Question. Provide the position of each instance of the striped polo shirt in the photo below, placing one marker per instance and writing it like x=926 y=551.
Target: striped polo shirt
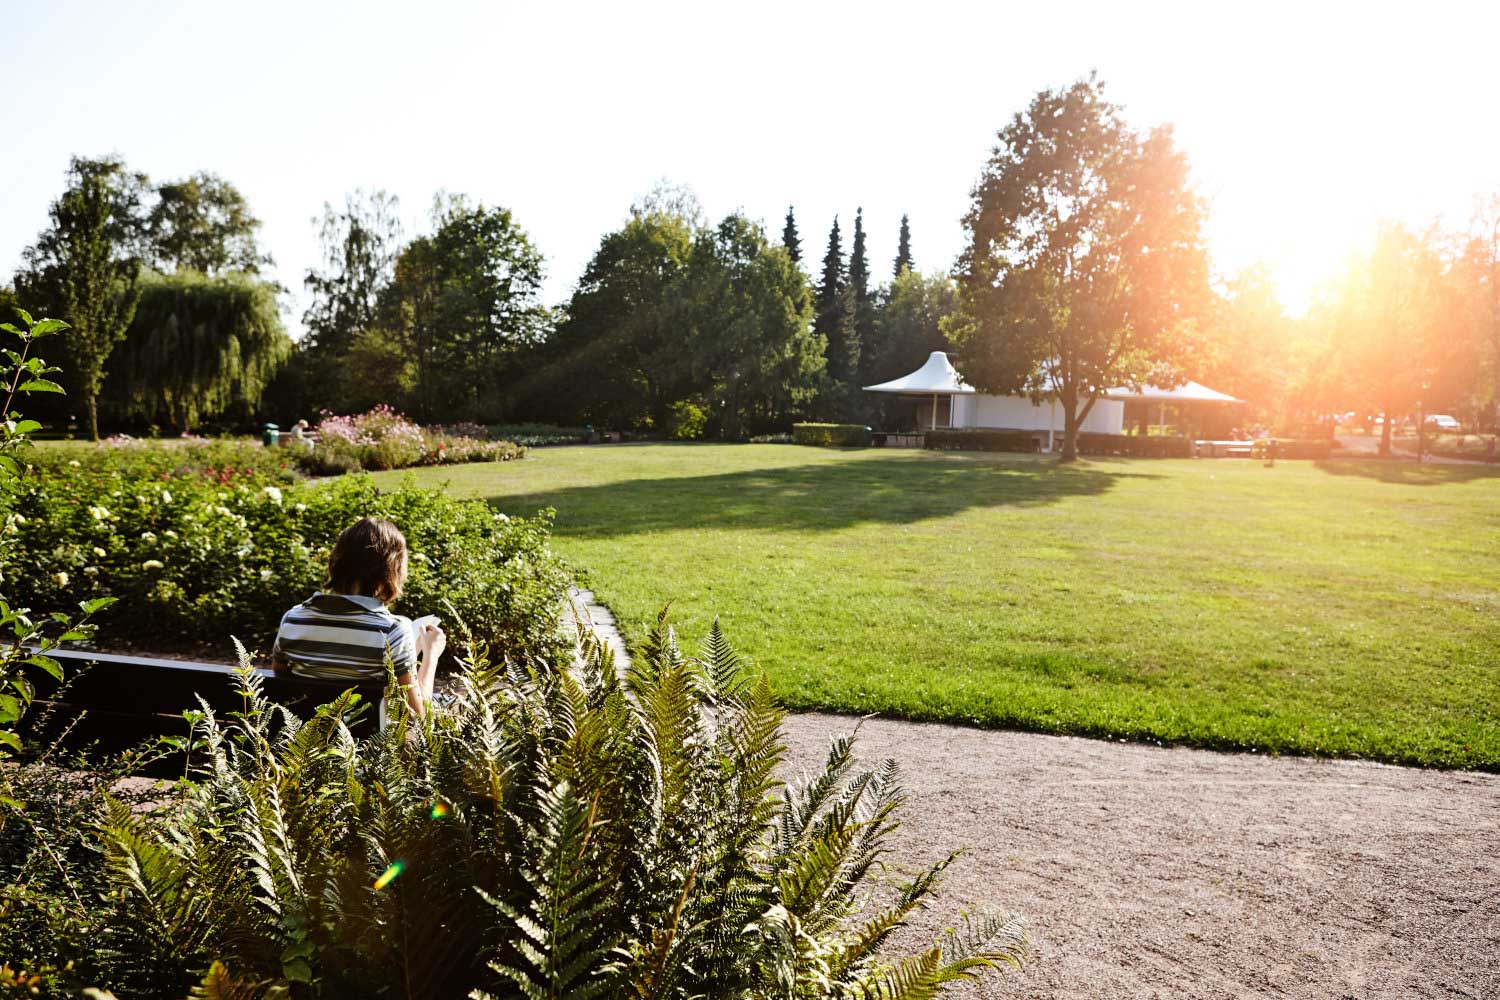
x=345 y=637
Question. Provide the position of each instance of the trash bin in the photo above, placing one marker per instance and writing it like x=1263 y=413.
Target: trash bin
x=269 y=435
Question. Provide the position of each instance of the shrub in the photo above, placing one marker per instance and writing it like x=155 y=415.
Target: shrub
x=1137 y=446
x=1313 y=448
x=781 y=438
x=194 y=559
x=537 y=435
x=981 y=440
x=226 y=459
x=832 y=435
x=384 y=439
x=554 y=832
x=687 y=421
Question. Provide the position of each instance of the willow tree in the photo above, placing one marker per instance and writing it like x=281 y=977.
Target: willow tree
x=1085 y=268
x=198 y=348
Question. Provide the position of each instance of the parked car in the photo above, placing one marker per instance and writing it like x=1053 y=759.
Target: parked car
x=1441 y=421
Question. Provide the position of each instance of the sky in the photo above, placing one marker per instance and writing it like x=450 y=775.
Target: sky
x=1306 y=123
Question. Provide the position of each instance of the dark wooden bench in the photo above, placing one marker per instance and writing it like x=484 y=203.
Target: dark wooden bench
x=110 y=702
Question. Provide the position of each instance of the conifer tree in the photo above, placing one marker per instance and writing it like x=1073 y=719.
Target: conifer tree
x=834 y=319
x=830 y=286
x=863 y=305
x=789 y=238
x=903 y=249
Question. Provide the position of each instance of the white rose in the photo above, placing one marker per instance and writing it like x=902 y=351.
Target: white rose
x=61 y=578
x=166 y=496
x=152 y=564
x=273 y=494
x=99 y=552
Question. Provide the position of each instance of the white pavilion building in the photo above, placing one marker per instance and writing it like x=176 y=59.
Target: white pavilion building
x=944 y=401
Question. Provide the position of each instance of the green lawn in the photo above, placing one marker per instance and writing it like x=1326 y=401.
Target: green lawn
x=1348 y=608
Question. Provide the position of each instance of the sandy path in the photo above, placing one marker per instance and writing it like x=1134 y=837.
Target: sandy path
x=1148 y=872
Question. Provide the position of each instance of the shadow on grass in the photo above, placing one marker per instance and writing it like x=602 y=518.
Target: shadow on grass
x=1407 y=472
x=899 y=489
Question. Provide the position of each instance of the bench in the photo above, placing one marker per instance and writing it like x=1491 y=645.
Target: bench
x=110 y=702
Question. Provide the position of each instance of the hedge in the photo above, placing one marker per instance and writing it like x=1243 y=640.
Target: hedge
x=1134 y=446
x=832 y=435
x=981 y=440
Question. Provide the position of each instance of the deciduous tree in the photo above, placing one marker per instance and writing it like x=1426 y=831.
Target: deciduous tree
x=1084 y=267
x=85 y=268
x=747 y=315
x=203 y=223
x=197 y=348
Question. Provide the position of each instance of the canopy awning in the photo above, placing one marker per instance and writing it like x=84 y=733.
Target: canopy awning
x=936 y=376
x=1188 y=392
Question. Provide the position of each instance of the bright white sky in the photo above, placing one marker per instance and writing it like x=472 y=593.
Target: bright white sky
x=1305 y=122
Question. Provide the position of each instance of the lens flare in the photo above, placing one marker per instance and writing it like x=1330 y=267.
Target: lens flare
x=389 y=875
x=439 y=809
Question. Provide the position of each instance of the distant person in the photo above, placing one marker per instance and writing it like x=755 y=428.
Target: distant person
x=299 y=433
x=347 y=633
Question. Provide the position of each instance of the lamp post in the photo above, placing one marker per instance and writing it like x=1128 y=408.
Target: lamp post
x=1422 y=422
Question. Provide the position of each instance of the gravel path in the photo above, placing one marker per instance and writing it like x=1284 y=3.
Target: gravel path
x=1147 y=872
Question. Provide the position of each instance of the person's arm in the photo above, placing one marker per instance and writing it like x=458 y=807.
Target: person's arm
x=402 y=651
x=431 y=641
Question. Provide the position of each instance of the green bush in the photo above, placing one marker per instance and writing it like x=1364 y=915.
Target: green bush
x=687 y=421
x=224 y=459
x=832 y=435
x=553 y=832
x=384 y=439
x=981 y=440
x=537 y=435
x=1136 y=446
x=198 y=559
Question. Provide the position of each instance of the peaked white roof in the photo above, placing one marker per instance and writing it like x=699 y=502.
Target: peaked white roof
x=936 y=375
x=1188 y=392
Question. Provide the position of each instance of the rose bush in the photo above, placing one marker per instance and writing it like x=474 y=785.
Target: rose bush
x=196 y=558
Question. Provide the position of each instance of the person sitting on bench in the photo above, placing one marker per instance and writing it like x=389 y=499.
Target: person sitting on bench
x=347 y=634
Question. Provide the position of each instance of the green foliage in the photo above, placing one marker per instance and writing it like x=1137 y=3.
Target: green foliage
x=554 y=831
x=1139 y=446
x=359 y=246
x=202 y=223
x=197 y=558
x=903 y=249
x=617 y=336
x=745 y=310
x=910 y=325
x=85 y=267
x=790 y=241
x=1084 y=267
x=979 y=440
x=225 y=460
x=198 y=348
x=832 y=435
x=688 y=421
x=864 y=312
x=462 y=305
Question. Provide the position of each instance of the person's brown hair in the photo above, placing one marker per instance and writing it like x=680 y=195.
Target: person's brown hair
x=369 y=558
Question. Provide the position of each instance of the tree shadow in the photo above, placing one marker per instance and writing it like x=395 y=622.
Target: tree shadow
x=899 y=489
x=1407 y=473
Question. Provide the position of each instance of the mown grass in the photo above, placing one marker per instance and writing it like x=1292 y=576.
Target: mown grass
x=1339 y=608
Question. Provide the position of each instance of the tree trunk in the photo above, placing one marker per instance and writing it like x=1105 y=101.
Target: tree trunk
x=1070 y=425
x=1385 y=435
x=91 y=407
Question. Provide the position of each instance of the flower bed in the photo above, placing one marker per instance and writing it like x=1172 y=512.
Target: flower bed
x=223 y=460
x=384 y=439
x=193 y=558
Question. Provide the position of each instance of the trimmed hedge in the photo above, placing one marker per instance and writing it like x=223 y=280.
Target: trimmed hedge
x=1313 y=448
x=981 y=440
x=832 y=435
x=1134 y=446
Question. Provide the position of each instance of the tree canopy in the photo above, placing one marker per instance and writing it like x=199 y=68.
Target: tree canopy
x=202 y=223
x=1084 y=267
x=84 y=268
x=198 y=348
